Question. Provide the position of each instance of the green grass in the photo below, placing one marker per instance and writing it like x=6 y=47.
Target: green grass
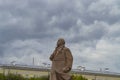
x=11 y=77
x=19 y=77
x=78 y=77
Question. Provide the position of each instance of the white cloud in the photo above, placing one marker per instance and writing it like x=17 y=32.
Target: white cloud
x=115 y=11
x=31 y=28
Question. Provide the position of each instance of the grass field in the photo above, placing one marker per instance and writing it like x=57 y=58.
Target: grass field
x=25 y=73
x=31 y=73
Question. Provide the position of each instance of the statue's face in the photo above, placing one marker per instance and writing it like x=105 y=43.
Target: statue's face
x=60 y=42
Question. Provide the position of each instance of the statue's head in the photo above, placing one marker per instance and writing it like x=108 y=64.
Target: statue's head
x=60 y=42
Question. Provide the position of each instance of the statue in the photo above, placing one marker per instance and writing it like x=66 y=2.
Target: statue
x=62 y=60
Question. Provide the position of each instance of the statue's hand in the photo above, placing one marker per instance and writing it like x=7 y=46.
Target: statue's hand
x=66 y=69
x=51 y=57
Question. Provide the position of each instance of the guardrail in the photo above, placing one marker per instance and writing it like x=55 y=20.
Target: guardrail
x=76 y=71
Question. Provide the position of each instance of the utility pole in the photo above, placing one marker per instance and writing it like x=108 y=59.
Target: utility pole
x=33 y=61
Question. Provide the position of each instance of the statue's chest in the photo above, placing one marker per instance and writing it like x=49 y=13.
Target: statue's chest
x=60 y=55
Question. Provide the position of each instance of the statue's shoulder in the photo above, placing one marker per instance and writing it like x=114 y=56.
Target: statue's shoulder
x=66 y=48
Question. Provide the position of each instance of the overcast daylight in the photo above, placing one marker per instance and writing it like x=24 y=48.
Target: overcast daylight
x=30 y=29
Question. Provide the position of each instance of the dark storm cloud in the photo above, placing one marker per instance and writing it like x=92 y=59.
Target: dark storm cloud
x=17 y=33
x=1 y=51
x=38 y=14
x=89 y=33
x=31 y=27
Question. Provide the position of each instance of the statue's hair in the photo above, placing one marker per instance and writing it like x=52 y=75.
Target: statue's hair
x=61 y=40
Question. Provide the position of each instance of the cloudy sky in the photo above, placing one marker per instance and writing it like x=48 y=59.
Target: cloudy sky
x=30 y=28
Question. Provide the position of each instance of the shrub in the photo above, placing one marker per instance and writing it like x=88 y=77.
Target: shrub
x=2 y=76
x=40 y=78
x=11 y=77
x=19 y=77
x=14 y=77
x=78 y=77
